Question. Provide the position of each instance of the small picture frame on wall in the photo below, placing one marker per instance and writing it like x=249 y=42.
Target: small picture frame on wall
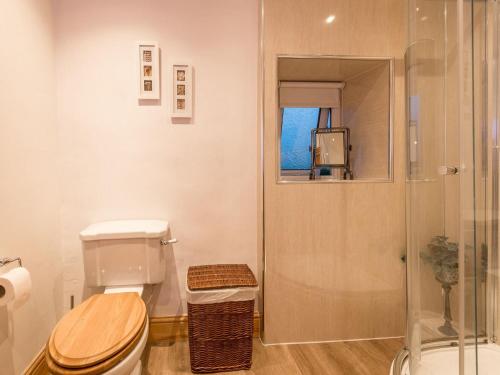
x=149 y=71
x=181 y=75
x=182 y=95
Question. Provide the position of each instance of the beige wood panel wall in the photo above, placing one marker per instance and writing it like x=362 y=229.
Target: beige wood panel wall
x=332 y=251
x=366 y=101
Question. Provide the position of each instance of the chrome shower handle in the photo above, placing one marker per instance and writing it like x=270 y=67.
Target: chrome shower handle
x=444 y=170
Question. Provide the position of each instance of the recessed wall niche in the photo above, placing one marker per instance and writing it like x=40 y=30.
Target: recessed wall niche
x=334 y=119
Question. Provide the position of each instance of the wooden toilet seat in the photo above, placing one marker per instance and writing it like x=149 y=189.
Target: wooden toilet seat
x=96 y=335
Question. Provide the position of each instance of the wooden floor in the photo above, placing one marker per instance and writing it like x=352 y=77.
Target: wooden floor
x=344 y=358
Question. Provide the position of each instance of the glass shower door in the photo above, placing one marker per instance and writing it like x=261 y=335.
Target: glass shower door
x=446 y=185
x=429 y=191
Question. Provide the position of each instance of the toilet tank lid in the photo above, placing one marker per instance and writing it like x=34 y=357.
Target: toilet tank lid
x=124 y=229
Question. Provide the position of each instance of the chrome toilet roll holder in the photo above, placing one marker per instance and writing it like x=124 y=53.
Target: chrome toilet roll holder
x=5 y=261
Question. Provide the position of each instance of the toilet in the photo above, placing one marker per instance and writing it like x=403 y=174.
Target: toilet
x=107 y=333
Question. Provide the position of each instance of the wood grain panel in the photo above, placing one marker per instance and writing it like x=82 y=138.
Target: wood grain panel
x=100 y=367
x=83 y=338
x=366 y=109
x=324 y=70
x=161 y=329
x=341 y=358
x=333 y=268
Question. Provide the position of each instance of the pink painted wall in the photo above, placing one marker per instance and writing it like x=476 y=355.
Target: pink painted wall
x=29 y=179
x=119 y=159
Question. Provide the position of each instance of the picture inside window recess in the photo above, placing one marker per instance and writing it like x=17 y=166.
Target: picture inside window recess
x=148 y=70
x=334 y=119
x=148 y=85
x=181 y=104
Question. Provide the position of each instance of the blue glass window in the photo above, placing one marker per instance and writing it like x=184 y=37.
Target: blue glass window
x=296 y=137
x=296 y=129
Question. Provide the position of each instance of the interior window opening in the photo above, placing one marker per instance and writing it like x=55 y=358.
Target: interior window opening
x=311 y=119
x=334 y=119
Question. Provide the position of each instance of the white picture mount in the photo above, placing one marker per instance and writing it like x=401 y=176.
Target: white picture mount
x=149 y=70
x=182 y=91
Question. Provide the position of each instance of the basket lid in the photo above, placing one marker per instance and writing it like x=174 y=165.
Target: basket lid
x=97 y=329
x=220 y=276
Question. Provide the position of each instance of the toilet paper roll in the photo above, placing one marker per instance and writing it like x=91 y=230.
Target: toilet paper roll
x=15 y=285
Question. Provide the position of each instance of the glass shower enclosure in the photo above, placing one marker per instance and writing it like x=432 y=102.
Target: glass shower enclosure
x=452 y=189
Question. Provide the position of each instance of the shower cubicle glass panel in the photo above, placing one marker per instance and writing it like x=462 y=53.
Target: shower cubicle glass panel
x=451 y=189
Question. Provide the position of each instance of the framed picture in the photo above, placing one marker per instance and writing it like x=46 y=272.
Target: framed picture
x=149 y=70
x=182 y=95
x=181 y=75
x=181 y=104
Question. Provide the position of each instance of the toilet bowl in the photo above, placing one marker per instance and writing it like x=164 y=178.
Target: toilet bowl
x=107 y=333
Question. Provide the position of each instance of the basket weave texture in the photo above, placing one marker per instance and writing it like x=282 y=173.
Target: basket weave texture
x=218 y=276
x=220 y=334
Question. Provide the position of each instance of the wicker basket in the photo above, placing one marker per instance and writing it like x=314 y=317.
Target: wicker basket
x=220 y=334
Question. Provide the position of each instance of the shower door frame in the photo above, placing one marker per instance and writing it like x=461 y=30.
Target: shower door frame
x=492 y=116
x=489 y=148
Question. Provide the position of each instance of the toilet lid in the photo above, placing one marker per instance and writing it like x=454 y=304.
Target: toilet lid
x=97 y=329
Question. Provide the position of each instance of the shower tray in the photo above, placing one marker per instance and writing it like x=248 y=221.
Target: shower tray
x=445 y=361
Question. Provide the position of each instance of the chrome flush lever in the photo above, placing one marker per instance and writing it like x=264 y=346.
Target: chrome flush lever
x=168 y=242
x=444 y=170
